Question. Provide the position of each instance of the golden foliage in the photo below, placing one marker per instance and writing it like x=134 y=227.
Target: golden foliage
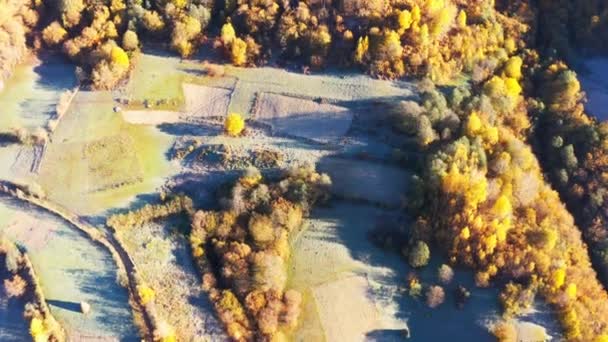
x=54 y=34
x=228 y=35
x=234 y=124
x=146 y=294
x=238 y=52
x=119 y=57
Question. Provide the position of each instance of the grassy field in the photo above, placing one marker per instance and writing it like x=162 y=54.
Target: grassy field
x=161 y=253
x=98 y=157
x=30 y=96
x=71 y=269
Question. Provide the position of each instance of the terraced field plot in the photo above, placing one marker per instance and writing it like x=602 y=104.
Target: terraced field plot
x=301 y=117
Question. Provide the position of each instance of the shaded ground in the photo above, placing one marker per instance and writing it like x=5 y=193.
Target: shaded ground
x=594 y=80
x=301 y=117
x=333 y=252
x=30 y=96
x=13 y=327
x=71 y=269
x=366 y=181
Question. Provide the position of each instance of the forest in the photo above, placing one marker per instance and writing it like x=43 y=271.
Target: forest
x=511 y=159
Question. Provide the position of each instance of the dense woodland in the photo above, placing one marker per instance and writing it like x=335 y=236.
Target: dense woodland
x=501 y=122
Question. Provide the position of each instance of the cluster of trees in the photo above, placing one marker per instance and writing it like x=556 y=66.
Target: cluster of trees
x=573 y=149
x=17 y=18
x=437 y=38
x=242 y=250
x=21 y=282
x=103 y=36
x=499 y=216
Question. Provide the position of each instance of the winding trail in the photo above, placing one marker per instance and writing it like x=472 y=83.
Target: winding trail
x=118 y=252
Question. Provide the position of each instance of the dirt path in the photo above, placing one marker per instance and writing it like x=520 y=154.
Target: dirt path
x=119 y=254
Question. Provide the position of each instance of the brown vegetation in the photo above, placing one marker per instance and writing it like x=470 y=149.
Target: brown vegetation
x=242 y=251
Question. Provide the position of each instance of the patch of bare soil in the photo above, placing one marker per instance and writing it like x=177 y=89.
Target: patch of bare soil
x=204 y=102
x=346 y=312
x=150 y=117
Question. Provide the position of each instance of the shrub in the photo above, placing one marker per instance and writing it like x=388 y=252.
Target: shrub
x=15 y=287
x=445 y=274
x=419 y=255
x=119 y=57
x=213 y=70
x=38 y=330
x=435 y=296
x=251 y=178
x=234 y=124
x=54 y=34
x=130 y=41
x=504 y=331
x=145 y=293
x=415 y=287
x=261 y=229
x=13 y=258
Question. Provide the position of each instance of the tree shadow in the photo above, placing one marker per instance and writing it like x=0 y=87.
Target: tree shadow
x=55 y=72
x=186 y=128
x=110 y=309
x=70 y=306
x=386 y=335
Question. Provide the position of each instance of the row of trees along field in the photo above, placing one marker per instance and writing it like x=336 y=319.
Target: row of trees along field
x=438 y=38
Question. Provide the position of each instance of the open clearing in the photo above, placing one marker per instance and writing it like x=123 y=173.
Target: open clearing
x=204 y=102
x=30 y=96
x=345 y=310
x=150 y=117
x=365 y=181
x=302 y=118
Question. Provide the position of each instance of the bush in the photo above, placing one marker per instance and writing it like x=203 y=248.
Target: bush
x=261 y=230
x=504 y=331
x=435 y=296
x=234 y=124
x=54 y=34
x=15 y=287
x=130 y=41
x=445 y=274
x=419 y=255
x=145 y=293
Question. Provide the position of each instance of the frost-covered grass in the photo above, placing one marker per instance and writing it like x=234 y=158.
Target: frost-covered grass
x=115 y=172
x=161 y=253
x=71 y=269
x=29 y=97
